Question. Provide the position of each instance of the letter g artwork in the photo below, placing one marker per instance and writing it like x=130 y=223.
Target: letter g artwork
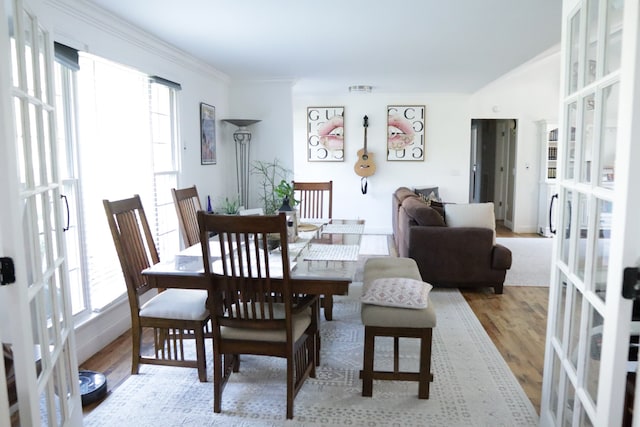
x=405 y=132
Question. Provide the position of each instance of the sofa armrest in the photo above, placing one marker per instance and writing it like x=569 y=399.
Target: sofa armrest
x=501 y=259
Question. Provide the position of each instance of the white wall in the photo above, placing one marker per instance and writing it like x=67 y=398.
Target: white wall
x=272 y=137
x=528 y=93
x=446 y=159
x=88 y=28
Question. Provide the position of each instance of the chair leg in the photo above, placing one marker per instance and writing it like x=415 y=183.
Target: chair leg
x=136 y=337
x=290 y=385
x=217 y=381
x=367 y=368
x=201 y=358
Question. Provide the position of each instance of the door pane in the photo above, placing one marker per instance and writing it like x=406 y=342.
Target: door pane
x=592 y=42
x=565 y=230
x=588 y=106
x=574 y=48
x=583 y=235
x=562 y=300
x=29 y=54
x=613 y=39
x=601 y=259
x=609 y=133
x=570 y=137
x=592 y=361
x=555 y=385
x=574 y=327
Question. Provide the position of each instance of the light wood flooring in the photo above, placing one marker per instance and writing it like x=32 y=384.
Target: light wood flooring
x=515 y=321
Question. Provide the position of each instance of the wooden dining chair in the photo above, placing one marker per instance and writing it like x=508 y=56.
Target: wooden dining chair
x=174 y=314
x=255 y=309
x=187 y=203
x=312 y=197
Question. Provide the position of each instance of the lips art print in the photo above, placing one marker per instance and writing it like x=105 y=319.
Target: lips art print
x=405 y=132
x=325 y=134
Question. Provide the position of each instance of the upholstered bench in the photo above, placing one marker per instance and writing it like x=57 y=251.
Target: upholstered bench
x=386 y=313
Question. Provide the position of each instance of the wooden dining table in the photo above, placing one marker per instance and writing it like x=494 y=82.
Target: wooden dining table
x=323 y=262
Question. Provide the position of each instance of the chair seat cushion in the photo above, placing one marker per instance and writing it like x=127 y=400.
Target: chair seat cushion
x=399 y=292
x=301 y=322
x=183 y=304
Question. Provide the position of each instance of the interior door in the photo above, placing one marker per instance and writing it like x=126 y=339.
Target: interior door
x=37 y=305
x=598 y=231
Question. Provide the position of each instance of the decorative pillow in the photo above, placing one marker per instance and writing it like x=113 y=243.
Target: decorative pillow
x=478 y=215
x=428 y=192
x=397 y=292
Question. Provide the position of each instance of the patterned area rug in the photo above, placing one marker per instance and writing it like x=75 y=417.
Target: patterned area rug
x=472 y=385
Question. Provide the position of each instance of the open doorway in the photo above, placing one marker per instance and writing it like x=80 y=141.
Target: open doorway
x=492 y=175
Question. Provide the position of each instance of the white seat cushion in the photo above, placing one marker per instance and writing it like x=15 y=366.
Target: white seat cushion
x=184 y=304
x=301 y=322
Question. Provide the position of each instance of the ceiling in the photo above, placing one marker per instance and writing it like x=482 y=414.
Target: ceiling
x=325 y=46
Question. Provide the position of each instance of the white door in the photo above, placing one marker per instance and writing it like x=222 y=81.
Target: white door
x=37 y=305
x=598 y=232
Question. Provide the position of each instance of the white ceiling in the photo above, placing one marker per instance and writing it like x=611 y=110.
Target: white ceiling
x=327 y=45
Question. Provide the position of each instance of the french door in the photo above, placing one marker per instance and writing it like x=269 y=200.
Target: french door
x=598 y=232
x=36 y=319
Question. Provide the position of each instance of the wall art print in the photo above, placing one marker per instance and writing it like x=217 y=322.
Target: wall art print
x=406 y=132
x=325 y=134
x=207 y=134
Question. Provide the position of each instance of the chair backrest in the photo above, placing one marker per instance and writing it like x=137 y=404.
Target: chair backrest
x=248 y=285
x=312 y=197
x=134 y=244
x=187 y=204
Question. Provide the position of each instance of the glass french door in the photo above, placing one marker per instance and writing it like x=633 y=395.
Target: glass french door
x=598 y=234
x=36 y=320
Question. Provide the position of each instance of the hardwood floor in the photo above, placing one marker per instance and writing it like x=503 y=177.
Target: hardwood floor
x=516 y=322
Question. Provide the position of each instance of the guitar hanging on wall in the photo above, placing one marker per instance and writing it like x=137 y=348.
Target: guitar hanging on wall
x=364 y=166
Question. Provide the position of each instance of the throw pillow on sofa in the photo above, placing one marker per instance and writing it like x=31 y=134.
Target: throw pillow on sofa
x=479 y=215
x=428 y=193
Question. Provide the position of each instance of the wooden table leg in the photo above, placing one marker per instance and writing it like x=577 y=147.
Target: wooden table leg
x=327 y=304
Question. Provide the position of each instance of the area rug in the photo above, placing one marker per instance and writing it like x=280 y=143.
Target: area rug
x=472 y=384
x=374 y=244
x=531 y=260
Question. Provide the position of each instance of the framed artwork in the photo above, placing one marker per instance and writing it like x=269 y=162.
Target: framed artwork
x=325 y=134
x=207 y=134
x=405 y=132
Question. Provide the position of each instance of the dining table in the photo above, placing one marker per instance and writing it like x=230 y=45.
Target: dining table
x=323 y=260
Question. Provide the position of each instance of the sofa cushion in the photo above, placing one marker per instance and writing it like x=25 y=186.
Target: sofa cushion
x=403 y=192
x=423 y=214
x=399 y=292
x=479 y=215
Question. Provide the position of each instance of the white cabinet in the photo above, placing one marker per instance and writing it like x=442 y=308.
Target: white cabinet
x=548 y=137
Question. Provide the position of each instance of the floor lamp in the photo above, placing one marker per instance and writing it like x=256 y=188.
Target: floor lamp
x=242 y=137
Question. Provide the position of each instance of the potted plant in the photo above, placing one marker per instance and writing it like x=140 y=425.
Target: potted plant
x=270 y=177
x=285 y=192
x=230 y=207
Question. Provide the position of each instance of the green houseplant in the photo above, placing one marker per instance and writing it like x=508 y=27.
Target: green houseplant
x=230 y=207
x=272 y=178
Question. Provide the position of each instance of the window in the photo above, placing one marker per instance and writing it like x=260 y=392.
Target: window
x=118 y=137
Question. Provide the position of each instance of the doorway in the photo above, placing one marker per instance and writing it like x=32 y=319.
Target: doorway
x=492 y=166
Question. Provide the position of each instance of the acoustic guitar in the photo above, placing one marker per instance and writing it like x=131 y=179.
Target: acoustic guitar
x=364 y=166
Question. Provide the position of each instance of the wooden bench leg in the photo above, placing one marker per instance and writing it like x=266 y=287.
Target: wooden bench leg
x=367 y=371
x=424 y=377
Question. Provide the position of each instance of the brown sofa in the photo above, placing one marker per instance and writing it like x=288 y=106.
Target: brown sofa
x=447 y=256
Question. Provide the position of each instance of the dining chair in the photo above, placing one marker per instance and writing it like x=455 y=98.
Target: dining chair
x=255 y=309
x=174 y=314
x=312 y=197
x=187 y=203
